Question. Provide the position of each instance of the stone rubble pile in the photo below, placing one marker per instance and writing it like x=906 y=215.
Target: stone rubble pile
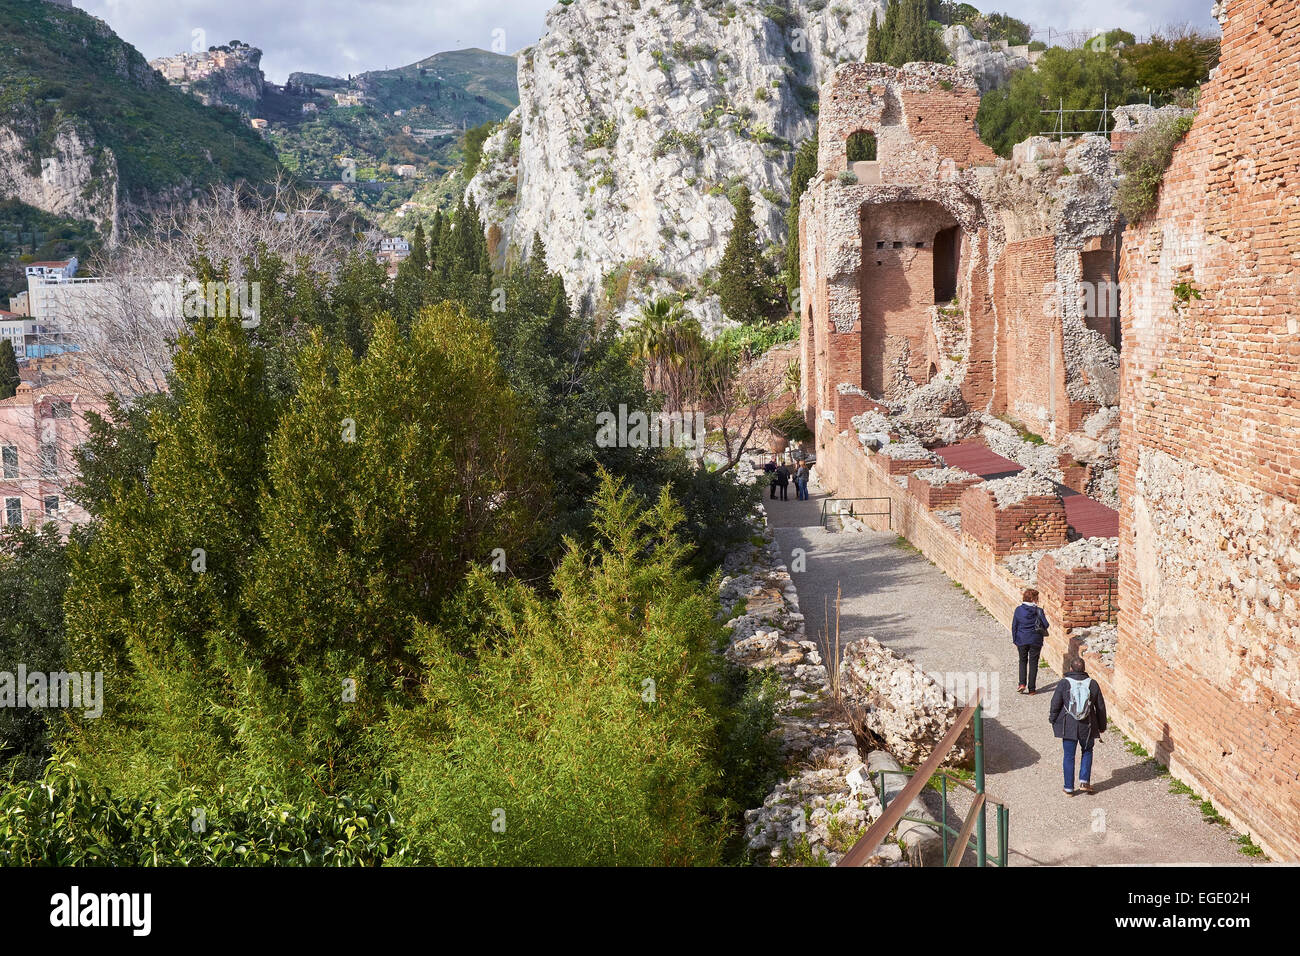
x=938 y=477
x=1024 y=565
x=1100 y=640
x=898 y=702
x=1016 y=488
x=1091 y=553
x=816 y=813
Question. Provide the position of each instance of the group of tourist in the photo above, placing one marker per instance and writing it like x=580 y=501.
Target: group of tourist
x=1078 y=711
x=781 y=472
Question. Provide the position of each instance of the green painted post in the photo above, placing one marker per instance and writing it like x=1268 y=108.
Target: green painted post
x=1005 y=837
x=943 y=828
x=980 y=824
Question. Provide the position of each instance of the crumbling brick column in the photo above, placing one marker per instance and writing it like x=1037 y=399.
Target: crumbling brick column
x=940 y=489
x=1029 y=524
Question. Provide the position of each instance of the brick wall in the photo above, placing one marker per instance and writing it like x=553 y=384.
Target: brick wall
x=1081 y=597
x=1208 y=661
x=938 y=497
x=1028 y=525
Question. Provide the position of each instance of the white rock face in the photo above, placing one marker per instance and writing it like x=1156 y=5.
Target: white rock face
x=636 y=116
x=67 y=184
x=991 y=65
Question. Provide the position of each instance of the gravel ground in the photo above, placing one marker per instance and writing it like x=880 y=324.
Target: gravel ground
x=896 y=595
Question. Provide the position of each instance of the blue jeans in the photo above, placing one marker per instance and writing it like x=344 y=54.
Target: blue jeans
x=1085 y=762
x=801 y=487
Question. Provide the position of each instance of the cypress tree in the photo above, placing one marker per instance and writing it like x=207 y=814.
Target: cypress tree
x=874 y=50
x=9 y=377
x=805 y=168
x=742 y=280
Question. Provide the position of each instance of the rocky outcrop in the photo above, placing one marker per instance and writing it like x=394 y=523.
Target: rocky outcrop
x=227 y=76
x=634 y=122
x=991 y=65
x=73 y=178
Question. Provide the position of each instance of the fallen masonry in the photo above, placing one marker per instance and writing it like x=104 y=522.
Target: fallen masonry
x=816 y=813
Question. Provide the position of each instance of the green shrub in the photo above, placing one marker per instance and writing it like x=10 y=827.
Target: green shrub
x=591 y=729
x=1144 y=163
x=790 y=424
x=65 y=822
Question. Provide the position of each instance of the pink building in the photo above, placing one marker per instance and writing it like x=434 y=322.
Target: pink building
x=40 y=428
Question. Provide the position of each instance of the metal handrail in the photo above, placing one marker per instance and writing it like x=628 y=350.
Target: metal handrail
x=896 y=811
x=888 y=512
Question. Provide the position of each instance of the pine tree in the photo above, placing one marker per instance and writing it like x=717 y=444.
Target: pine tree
x=743 y=282
x=9 y=377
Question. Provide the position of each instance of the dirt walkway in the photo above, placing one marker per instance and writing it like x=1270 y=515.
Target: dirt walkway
x=893 y=593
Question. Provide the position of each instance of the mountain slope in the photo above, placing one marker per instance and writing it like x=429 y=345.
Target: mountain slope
x=636 y=119
x=89 y=131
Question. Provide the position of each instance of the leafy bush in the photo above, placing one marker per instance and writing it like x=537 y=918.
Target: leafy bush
x=64 y=822
x=753 y=340
x=790 y=424
x=587 y=730
x=1144 y=163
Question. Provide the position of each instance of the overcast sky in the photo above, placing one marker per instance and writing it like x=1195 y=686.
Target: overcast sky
x=338 y=37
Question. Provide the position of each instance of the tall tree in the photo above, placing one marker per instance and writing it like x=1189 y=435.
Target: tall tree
x=805 y=169
x=9 y=378
x=744 y=287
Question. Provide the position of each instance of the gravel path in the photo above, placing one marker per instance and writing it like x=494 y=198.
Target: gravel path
x=893 y=593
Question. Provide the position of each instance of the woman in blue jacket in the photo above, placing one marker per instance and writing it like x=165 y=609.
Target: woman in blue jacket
x=1028 y=628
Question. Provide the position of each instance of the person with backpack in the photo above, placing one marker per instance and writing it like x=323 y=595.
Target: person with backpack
x=1028 y=628
x=782 y=479
x=770 y=469
x=1078 y=717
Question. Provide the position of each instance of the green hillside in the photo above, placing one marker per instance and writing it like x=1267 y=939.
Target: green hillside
x=448 y=92
x=61 y=66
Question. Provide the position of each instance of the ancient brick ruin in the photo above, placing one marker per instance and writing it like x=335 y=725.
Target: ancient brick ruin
x=1208 y=658
x=963 y=322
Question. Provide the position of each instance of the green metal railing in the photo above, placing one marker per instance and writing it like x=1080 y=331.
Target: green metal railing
x=888 y=512
x=895 y=810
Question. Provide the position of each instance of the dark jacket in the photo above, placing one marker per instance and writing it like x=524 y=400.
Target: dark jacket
x=782 y=475
x=1065 y=726
x=1025 y=623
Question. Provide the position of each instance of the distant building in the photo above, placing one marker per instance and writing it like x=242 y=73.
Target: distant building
x=310 y=108
x=405 y=170
x=61 y=269
x=11 y=329
x=258 y=123
x=350 y=98
x=41 y=427
x=395 y=245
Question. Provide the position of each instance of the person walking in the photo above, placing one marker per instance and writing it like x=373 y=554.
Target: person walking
x=1078 y=716
x=770 y=468
x=782 y=479
x=1028 y=628
x=801 y=482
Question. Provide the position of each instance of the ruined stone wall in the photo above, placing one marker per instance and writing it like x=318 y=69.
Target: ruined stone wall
x=1208 y=658
x=1032 y=372
x=921 y=115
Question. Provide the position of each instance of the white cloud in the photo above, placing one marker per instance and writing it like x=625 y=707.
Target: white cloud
x=349 y=36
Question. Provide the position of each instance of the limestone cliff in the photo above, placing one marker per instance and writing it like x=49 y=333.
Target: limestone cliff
x=634 y=120
x=74 y=179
